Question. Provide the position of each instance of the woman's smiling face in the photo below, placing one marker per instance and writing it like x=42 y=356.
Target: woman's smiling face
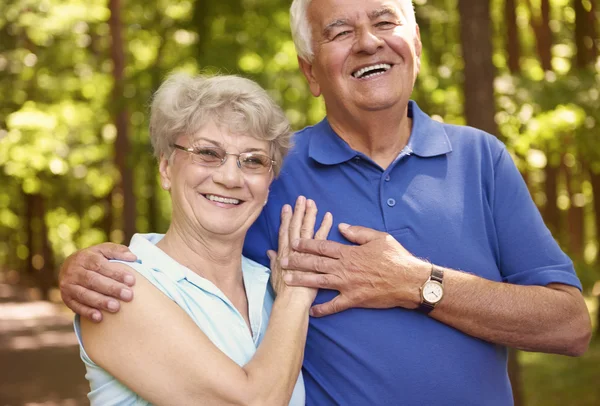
x=221 y=200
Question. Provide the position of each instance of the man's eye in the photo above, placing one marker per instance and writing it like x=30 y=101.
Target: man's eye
x=385 y=24
x=341 y=34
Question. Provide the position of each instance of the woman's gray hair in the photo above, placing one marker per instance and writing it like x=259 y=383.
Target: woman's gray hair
x=302 y=30
x=184 y=104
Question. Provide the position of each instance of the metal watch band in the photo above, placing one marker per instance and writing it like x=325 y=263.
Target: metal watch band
x=436 y=274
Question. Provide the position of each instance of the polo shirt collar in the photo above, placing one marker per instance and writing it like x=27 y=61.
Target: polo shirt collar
x=144 y=247
x=428 y=138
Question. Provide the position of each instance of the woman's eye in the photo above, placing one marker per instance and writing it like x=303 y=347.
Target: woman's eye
x=206 y=152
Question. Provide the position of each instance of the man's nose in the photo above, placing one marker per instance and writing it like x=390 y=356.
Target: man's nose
x=367 y=41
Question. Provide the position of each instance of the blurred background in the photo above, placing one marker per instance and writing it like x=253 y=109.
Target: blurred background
x=76 y=166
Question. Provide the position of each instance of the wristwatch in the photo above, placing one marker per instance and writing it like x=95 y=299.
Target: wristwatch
x=432 y=290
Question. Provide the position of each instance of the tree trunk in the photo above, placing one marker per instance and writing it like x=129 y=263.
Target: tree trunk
x=543 y=33
x=551 y=211
x=585 y=34
x=46 y=275
x=122 y=144
x=31 y=232
x=479 y=72
x=575 y=214
x=513 y=48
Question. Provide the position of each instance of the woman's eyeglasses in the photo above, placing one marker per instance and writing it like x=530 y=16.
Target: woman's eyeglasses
x=248 y=162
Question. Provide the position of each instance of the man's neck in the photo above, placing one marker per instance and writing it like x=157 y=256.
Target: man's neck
x=380 y=135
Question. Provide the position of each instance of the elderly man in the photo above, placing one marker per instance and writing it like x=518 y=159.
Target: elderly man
x=441 y=260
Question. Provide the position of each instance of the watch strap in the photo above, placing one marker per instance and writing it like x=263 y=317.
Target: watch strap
x=425 y=307
x=437 y=275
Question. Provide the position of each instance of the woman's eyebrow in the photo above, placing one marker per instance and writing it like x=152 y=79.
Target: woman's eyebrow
x=215 y=143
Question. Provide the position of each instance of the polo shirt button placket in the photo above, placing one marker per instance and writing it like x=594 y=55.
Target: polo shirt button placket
x=388 y=178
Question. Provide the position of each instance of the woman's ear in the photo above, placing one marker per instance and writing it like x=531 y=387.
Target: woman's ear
x=164 y=168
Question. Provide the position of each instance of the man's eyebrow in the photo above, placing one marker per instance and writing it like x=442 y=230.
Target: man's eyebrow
x=335 y=23
x=382 y=11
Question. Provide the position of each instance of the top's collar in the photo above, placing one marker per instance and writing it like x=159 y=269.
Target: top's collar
x=428 y=138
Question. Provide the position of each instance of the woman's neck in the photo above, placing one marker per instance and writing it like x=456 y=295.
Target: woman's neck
x=214 y=258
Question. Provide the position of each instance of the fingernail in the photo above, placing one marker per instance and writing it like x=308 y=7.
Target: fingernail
x=129 y=280
x=126 y=294
x=301 y=199
x=311 y=312
x=343 y=226
x=310 y=203
x=286 y=208
x=287 y=278
x=96 y=316
x=284 y=262
x=113 y=306
x=295 y=243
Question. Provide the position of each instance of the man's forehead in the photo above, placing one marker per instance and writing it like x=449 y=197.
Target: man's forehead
x=336 y=12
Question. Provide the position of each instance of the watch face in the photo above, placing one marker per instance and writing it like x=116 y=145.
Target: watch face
x=433 y=292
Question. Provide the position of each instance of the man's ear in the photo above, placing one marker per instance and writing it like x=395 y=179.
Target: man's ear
x=418 y=48
x=307 y=69
x=164 y=168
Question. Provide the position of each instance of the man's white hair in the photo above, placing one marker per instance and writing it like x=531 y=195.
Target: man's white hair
x=301 y=28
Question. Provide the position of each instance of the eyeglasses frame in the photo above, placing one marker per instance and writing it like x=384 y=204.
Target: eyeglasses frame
x=239 y=164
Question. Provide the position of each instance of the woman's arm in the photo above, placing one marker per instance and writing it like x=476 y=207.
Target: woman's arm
x=156 y=349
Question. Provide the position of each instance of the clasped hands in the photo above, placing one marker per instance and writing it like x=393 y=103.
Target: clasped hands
x=377 y=272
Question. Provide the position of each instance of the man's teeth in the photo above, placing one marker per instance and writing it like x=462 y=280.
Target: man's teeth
x=378 y=70
x=222 y=199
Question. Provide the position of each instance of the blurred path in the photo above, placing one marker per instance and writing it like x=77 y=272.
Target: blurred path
x=39 y=355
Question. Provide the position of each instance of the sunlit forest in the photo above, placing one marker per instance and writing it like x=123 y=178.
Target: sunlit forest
x=76 y=166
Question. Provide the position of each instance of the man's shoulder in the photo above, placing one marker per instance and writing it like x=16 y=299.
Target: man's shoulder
x=464 y=136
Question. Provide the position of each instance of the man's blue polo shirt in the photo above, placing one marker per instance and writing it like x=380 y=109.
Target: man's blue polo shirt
x=454 y=197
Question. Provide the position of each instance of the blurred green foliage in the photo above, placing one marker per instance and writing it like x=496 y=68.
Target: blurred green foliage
x=57 y=135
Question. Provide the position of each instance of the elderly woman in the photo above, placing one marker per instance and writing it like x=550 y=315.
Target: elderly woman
x=201 y=308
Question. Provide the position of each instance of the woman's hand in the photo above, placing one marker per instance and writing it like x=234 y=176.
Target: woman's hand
x=299 y=224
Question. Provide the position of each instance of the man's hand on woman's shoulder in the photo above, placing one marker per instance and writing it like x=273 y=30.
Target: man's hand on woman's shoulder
x=89 y=282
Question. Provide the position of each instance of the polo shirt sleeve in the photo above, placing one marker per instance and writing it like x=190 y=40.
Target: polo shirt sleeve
x=528 y=253
x=260 y=238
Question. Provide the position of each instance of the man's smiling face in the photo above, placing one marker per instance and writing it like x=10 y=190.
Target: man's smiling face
x=366 y=54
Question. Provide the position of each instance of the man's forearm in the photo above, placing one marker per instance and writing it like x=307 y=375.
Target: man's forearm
x=534 y=318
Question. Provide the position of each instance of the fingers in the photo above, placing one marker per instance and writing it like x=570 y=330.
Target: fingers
x=284 y=229
x=85 y=311
x=115 y=251
x=81 y=297
x=99 y=283
x=323 y=231
x=311 y=280
x=101 y=265
x=360 y=235
x=325 y=248
x=313 y=263
x=310 y=218
x=335 y=305
x=297 y=218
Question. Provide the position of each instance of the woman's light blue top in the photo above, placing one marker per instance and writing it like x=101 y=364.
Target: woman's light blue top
x=205 y=304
